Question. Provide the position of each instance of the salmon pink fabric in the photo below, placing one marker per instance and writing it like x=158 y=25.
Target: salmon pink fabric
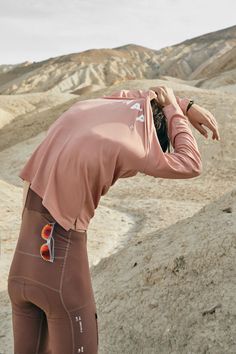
x=97 y=141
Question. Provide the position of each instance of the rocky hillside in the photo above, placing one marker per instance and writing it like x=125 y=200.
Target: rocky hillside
x=211 y=56
x=202 y=57
x=170 y=287
x=162 y=252
x=172 y=291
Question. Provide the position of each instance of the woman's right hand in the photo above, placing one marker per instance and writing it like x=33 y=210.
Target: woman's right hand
x=165 y=95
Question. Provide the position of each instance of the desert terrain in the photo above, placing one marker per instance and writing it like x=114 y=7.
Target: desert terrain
x=162 y=252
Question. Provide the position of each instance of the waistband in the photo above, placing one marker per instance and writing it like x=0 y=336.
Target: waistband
x=34 y=202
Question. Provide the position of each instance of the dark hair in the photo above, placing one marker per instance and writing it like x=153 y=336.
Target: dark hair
x=160 y=123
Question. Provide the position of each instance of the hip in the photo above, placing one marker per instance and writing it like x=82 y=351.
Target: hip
x=69 y=248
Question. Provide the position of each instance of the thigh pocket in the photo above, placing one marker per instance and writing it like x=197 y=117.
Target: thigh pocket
x=85 y=329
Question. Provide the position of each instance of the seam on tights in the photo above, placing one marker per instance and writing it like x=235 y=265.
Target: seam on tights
x=61 y=280
x=81 y=307
x=33 y=280
x=74 y=309
x=35 y=255
x=22 y=315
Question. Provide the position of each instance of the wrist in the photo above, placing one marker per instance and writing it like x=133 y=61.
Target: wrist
x=183 y=103
x=172 y=101
x=170 y=105
x=191 y=102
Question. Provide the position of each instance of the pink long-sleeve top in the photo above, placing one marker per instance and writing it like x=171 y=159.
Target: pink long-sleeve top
x=97 y=141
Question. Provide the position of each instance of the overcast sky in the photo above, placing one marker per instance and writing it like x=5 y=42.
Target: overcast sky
x=37 y=30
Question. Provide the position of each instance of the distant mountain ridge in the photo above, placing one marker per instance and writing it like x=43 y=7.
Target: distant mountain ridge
x=200 y=59
x=166 y=280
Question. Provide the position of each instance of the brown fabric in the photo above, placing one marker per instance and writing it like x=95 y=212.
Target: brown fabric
x=53 y=304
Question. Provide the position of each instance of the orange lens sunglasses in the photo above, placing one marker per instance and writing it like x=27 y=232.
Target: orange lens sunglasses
x=47 y=249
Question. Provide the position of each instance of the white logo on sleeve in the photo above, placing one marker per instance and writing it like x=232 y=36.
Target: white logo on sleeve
x=136 y=106
x=140 y=118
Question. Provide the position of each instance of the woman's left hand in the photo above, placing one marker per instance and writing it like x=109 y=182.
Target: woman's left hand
x=200 y=117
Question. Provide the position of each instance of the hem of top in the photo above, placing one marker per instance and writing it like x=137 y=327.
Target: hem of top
x=50 y=208
x=36 y=189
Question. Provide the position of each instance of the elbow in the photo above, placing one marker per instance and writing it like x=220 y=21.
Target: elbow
x=197 y=169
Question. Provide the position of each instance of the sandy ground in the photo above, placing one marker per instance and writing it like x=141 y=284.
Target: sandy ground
x=173 y=290
x=176 y=232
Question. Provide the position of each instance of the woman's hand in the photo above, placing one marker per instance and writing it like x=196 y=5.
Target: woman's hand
x=165 y=95
x=199 y=117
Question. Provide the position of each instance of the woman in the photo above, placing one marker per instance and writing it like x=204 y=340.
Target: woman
x=85 y=151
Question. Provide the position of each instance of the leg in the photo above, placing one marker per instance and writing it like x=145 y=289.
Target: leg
x=76 y=332
x=72 y=319
x=62 y=290
x=29 y=322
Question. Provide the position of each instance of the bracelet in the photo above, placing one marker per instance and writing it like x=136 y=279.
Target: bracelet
x=191 y=102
